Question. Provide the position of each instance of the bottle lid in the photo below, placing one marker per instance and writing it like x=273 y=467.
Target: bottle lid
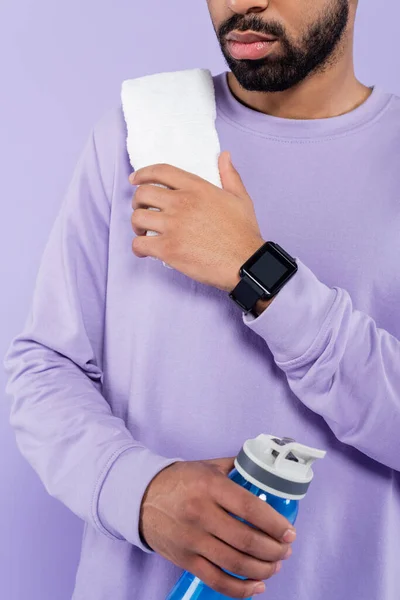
x=280 y=466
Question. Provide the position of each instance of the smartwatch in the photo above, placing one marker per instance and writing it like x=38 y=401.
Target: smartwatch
x=263 y=275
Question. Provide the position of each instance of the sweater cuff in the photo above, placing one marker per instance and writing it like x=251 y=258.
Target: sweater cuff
x=293 y=320
x=121 y=494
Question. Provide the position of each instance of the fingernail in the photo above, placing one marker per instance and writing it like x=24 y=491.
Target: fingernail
x=278 y=567
x=132 y=177
x=289 y=536
x=259 y=588
x=288 y=553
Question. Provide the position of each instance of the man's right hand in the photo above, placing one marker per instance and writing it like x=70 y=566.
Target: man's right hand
x=184 y=517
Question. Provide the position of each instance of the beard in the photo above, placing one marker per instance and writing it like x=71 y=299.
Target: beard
x=295 y=61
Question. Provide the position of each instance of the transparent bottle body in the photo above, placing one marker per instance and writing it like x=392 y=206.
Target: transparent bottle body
x=190 y=587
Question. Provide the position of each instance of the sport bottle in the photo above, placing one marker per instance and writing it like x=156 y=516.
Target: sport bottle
x=276 y=470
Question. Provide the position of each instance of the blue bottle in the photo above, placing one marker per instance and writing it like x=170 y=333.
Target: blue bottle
x=276 y=470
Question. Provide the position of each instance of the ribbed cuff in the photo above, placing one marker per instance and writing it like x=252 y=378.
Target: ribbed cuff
x=295 y=317
x=121 y=494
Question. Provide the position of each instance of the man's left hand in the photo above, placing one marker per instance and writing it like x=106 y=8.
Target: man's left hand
x=205 y=232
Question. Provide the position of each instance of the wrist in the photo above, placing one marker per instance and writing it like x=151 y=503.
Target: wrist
x=261 y=305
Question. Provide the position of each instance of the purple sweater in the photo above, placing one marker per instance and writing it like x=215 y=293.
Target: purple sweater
x=124 y=366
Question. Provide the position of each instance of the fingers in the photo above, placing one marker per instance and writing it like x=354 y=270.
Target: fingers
x=144 y=219
x=225 y=465
x=220 y=581
x=244 y=538
x=143 y=245
x=167 y=175
x=226 y=557
x=242 y=503
x=151 y=195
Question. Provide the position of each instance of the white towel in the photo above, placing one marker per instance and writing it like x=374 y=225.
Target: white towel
x=170 y=118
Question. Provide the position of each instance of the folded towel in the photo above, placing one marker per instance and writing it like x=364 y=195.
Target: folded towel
x=170 y=118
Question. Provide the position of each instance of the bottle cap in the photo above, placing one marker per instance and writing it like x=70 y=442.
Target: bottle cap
x=280 y=466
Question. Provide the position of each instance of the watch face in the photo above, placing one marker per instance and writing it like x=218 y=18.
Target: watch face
x=269 y=268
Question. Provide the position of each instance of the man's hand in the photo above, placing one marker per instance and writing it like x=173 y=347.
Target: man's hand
x=184 y=517
x=205 y=232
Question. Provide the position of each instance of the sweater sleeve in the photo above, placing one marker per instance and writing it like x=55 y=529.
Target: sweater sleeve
x=63 y=424
x=337 y=362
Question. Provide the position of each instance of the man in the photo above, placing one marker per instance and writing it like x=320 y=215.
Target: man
x=130 y=378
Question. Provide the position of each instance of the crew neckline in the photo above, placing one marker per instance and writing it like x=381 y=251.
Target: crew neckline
x=267 y=125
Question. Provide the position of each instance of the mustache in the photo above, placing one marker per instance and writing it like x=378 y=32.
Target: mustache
x=237 y=23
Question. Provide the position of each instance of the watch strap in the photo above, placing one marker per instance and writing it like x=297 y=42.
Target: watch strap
x=246 y=293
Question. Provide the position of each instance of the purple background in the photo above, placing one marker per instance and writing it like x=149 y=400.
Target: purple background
x=61 y=67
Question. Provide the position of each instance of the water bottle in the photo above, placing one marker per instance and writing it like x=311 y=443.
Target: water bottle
x=276 y=470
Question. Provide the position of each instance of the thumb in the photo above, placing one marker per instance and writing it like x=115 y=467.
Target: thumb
x=225 y=465
x=230 y=178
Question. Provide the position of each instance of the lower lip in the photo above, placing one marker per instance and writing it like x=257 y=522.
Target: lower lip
x=250 y=51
